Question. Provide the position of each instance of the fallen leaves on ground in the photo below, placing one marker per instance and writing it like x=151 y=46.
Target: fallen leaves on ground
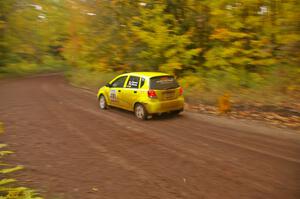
x=281 y=119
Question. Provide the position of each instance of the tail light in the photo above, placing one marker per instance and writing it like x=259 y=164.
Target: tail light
x=180 y=91
x=152 y=94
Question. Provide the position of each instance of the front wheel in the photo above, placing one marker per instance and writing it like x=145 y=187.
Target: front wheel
x=102 y=102
x=140 y=112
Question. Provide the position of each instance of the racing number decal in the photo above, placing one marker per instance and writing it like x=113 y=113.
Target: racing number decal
x=113 y=95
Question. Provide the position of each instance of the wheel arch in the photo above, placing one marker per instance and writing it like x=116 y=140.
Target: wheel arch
x=139 y=102
x=105 y=96
x=136 y=103
x=102 y=93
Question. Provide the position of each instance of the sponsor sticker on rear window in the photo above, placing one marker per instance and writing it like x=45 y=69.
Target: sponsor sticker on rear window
x=163 y=82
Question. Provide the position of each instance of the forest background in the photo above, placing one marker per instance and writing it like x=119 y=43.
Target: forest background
x=248 y=49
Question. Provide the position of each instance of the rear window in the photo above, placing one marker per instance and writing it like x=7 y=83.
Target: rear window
x=163 y=82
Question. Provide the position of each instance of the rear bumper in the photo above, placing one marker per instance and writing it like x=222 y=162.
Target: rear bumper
x=156 y=106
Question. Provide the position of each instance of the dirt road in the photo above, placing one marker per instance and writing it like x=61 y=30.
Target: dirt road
x=72 y=150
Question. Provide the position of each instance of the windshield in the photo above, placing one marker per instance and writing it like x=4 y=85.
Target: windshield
x=163 y=83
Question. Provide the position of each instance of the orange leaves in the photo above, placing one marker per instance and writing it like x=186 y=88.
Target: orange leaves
x=224 y=34
x=220 y=34
x=224 y=103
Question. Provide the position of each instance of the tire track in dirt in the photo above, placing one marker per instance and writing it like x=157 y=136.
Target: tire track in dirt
x=68 y=147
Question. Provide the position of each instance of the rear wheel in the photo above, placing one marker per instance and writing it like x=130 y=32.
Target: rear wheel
x=140 y=112
x=102 y=102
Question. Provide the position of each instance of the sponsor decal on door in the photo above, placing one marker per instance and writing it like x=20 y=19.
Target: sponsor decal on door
x=113 y=95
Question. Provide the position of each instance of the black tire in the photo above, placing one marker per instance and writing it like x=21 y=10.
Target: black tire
x=140 y=112
x=102 y=102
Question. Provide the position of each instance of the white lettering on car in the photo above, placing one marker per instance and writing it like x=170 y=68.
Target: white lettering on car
x=113 y=95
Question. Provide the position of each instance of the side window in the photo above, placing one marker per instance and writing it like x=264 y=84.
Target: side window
x=133 y=82
x=119 y=83
x=142 y=82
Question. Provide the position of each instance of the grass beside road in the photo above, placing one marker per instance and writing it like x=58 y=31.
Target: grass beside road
x=203 y=95
x=89 y=79
x=19 y=70
x=265 y=101
x=206 y=90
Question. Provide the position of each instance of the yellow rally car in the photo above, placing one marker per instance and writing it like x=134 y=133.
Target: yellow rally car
x=145 y=93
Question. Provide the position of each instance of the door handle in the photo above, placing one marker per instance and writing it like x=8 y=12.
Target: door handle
x=135 y=91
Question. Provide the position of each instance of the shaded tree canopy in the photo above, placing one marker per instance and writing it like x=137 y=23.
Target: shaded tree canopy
x=242 y=40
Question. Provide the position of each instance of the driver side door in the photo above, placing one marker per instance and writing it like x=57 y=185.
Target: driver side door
x=115 y=92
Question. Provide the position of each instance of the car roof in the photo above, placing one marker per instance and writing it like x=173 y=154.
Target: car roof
x=147 y=74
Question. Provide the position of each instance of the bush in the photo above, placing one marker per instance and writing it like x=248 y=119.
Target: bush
x=89 y=78
x=20 y=68
x=270 y=87
x=7 y=190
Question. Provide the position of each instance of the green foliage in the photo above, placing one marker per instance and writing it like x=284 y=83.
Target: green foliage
x=244 y=46
x=28 y=34
x=9 y=170
x=6 y=181
x=3 y=153
x=7 y=190
x=165 y=46
x=193 y=85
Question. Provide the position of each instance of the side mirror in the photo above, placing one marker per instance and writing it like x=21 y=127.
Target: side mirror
x=108 y=85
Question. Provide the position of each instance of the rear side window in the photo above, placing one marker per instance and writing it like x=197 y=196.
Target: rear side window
x=163 y=83
x=133 y=82
x=119 y=83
